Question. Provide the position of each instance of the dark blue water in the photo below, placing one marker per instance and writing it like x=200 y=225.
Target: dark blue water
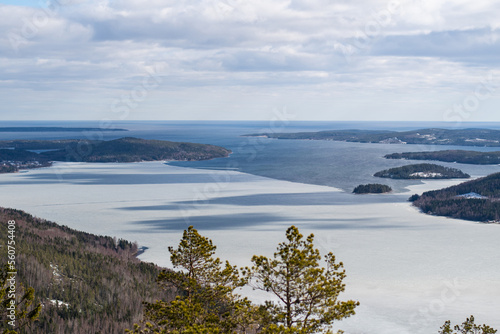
x=337 y=164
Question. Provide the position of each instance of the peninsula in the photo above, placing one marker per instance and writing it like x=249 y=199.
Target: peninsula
x=24 y=154
x=422 y=171
x=462 y=137
x=477 y=200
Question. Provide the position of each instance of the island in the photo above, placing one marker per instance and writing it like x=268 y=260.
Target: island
x=422 y=171
x=372 y=188
x=461 y=137
x=477 y=200
x=25 y=154
x=53 y=129
x=460 y=156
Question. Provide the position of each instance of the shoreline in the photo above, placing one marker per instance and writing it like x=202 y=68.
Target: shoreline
x=429 y=185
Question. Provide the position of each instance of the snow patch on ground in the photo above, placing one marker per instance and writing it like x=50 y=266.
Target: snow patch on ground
x=426 y=175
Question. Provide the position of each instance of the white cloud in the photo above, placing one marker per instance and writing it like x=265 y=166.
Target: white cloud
x=263 y=52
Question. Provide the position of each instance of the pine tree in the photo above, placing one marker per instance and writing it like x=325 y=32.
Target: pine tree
x=306 y=292
x=206 y=302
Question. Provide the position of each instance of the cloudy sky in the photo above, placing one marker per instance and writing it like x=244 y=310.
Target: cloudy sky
x=420 y=60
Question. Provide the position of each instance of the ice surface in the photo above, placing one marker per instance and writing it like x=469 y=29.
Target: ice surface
x=410 y=271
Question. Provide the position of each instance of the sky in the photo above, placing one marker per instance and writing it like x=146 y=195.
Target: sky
x=397 y=60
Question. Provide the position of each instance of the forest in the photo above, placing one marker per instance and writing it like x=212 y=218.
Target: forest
x=84 y=283
x=17 y=152
x=449 y=202
x=422 y=171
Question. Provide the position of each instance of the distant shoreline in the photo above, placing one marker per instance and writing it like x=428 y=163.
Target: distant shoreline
x=427 y=136
x=18 y=154
x=52 y=129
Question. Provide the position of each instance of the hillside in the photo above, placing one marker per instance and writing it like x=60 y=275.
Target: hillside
x=17 y=152
x=462 y=137
x=460 y=156
x=86 y=283
x=477 y=200
x=422 y=171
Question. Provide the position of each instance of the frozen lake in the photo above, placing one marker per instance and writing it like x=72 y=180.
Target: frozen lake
x=410 y=271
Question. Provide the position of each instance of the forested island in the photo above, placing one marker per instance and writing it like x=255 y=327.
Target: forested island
x=460 y=156
x=422 y=171
x=477 y=200
x=19 y=154
x=372 y=188
x=53 y=129
x=462 y=137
